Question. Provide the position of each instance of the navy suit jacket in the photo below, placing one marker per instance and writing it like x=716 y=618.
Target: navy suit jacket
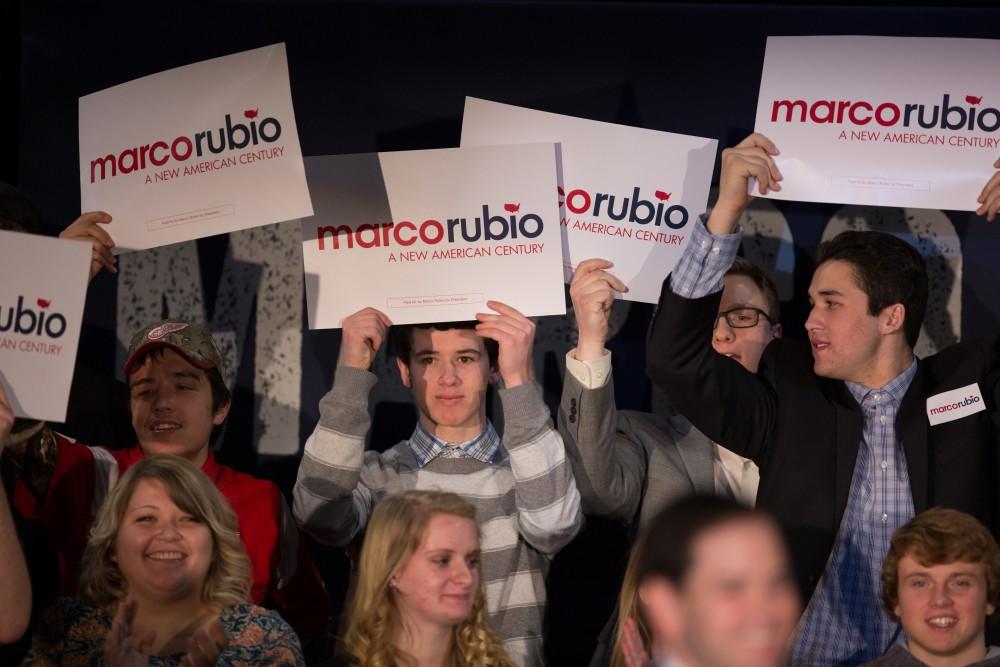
x=804 y=431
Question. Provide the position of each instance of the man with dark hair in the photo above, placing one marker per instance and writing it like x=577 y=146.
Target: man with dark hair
x=522 y=485
x=888 y=271
x=941 y=580
x=852 y=434
x=178 y=400
x=715 y=586
x=628 y=465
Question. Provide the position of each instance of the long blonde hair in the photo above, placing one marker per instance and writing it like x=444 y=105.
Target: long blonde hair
x=228 y=579
x=395 y=531
x=628 y=605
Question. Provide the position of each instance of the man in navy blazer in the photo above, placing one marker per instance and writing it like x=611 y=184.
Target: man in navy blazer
x=852 y=433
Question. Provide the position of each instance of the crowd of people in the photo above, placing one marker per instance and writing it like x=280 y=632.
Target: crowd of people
x=797 y=507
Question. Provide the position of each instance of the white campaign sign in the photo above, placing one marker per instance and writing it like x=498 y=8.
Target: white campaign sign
x=889 y=121
x=41 y=308
x=626 y=194
x=430 y=236
x=194 y=151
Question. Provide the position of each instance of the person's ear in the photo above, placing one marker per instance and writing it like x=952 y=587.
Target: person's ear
x=990 y=608
x=404 y=373
x=776 y=330
x=661 y=606
x=221 y=414
x=892 y=318
x=494 y=376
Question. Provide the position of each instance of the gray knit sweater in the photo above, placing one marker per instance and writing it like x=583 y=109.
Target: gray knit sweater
x=526 y=501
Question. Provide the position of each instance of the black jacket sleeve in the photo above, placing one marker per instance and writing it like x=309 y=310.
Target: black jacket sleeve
x=728 y=403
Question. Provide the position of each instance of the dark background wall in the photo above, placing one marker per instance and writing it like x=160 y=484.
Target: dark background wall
x=393 y=76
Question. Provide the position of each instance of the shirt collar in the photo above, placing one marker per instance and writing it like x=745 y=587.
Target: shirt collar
x=894 y=389
x=426 y=447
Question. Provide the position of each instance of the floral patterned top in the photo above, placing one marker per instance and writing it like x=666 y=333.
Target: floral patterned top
x=72 y=632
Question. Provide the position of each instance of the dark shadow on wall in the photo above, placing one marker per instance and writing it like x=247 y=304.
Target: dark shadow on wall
x=10 y=87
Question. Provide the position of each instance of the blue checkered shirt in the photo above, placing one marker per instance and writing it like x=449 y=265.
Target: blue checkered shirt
x=426 y=447
x=844 y=623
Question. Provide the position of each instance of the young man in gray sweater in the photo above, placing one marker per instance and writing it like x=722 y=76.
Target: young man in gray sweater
x=521 y=484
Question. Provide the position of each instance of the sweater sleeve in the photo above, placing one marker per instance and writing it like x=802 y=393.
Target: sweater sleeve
x=547 y=499
x=331 y=499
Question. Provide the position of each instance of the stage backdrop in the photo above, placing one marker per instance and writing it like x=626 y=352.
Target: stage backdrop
x=389 y=76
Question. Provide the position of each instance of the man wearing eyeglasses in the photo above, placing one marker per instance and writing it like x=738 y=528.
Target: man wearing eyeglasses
x=630 y=465
x=622 y=458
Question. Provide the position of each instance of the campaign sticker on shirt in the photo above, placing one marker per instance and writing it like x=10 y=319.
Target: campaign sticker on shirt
x=955 y=404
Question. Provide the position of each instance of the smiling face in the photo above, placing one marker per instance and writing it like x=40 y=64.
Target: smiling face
x=171 y=405
x=943 y=610
x=449 y=373
x=163 y=552
x=737 y=606
x=437 y=585
x=745 y=345
x=845 y=337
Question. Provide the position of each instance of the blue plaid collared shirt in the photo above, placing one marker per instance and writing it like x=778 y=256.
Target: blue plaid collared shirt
x=843 y=623
x=426 y=447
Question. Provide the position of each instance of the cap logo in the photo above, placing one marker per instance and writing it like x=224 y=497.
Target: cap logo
x=164 y=329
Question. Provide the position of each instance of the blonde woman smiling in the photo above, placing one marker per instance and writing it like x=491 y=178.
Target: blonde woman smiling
x=165 y=582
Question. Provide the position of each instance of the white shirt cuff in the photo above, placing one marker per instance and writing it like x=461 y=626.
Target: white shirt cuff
x=592 y=374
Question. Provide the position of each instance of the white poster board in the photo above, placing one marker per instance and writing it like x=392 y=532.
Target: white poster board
x=430 y=236
x=890 y=121
x=628 y=195
x=41 y=308
x=199 y=150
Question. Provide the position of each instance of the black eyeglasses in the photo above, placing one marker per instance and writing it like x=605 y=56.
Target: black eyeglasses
x=743 y=318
